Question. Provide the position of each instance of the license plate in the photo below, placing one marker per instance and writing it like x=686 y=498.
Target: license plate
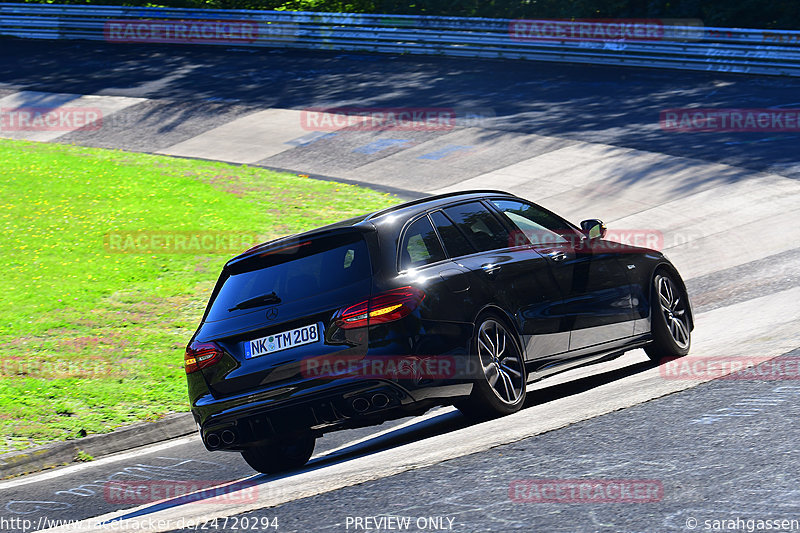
x=281 y=341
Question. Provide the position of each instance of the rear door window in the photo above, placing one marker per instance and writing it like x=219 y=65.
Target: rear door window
x=455 y=244
x=420 y=245
x=483 y=231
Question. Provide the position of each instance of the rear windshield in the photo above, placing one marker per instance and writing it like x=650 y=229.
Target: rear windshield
x=293 y=273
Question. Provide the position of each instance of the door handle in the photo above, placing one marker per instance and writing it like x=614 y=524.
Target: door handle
x=490 y=268
x=557 y=256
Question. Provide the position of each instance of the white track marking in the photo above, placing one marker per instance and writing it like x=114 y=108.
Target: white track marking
x=414 y=421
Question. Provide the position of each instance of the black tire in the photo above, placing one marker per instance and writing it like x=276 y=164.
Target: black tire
x=670 y=321
x=501 y=388
x=280 y=456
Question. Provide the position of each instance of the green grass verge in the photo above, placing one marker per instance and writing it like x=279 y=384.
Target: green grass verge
x=94 y=338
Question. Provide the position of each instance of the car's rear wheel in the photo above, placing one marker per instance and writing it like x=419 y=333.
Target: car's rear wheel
x=671 y=329
x=500 y=388
x=281 y=455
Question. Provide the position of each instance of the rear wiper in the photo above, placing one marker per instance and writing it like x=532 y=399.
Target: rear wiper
x=264 y=299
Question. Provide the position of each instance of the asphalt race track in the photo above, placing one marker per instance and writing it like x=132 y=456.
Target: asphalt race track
x=583 y=141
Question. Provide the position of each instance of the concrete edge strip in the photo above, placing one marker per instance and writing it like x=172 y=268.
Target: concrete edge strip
x=123 y=439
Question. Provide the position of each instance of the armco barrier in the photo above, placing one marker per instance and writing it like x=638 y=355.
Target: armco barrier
x=673 y=44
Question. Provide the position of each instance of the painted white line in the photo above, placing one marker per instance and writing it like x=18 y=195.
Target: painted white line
x=414 y=421
x=768 y=333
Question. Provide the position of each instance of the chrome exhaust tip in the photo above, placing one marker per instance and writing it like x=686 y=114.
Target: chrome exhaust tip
x=212 y=440
x=380 y=400
x=228 y=436
x=360 y=405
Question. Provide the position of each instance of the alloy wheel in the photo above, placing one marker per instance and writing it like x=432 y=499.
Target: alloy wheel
x=501 y=361
x=673 y=307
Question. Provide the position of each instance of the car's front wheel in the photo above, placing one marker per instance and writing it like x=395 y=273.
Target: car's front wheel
x=500 y=386
x=281 y=455
x=671 y=329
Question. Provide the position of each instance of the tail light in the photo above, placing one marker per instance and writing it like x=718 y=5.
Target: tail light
x=200 y=355
x=385 y=307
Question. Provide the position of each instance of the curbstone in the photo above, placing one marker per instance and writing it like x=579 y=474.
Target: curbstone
x=122 y=439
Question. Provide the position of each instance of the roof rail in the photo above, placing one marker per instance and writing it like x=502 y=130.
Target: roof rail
x=434 y=197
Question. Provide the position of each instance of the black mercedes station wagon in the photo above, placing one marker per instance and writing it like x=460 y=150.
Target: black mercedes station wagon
x=458 y=299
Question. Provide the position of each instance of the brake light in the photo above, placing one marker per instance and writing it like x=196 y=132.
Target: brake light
x=200 y=355
x=289 y=249
x=385 y=307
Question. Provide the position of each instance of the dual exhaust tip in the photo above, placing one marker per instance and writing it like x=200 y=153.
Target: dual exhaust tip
x=226 y=437
x=362 y=404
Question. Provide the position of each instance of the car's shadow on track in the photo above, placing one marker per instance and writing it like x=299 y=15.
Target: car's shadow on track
x=446 y=422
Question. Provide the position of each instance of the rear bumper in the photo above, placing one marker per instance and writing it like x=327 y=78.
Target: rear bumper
x=238 y=422
x=408 y=368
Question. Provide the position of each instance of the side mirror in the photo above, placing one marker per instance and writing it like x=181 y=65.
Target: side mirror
x=593 y=228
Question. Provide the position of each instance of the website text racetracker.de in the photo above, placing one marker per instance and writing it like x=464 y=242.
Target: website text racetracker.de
x=235 y=523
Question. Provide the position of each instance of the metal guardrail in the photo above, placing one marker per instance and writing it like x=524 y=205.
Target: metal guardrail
x=673 y=44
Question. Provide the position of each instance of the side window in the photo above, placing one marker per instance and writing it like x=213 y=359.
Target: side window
x=420 y=245
x=538 y=225
x=483 y=231
x=455 y=244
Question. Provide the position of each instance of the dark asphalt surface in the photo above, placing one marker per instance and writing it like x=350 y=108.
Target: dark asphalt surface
x=760 y=277
x=723 y=450
x=616 y=106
